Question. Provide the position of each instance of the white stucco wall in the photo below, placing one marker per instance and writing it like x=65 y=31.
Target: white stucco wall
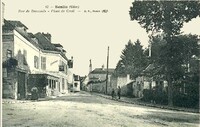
x=70 y=76
x=146 y=85
x=53 y=60
x=21 y=44
x=77 y=88
x=52 y=67
x=121 y=81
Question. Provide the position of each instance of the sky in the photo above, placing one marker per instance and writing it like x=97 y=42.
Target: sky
x=85 y=35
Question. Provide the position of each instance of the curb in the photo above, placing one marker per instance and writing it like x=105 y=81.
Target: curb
x=150 y=105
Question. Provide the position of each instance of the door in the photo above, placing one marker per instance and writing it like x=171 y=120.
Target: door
x=21 y=91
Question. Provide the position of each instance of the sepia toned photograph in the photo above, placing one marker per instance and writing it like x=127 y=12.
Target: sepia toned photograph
x=100 y=63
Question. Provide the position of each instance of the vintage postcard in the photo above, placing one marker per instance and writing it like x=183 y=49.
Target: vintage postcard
x=99 y=63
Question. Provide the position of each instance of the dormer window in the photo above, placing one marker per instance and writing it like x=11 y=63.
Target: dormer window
x=35 y=40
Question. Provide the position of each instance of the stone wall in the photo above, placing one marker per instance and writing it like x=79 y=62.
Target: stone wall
x=8 y=45
x=9 y=88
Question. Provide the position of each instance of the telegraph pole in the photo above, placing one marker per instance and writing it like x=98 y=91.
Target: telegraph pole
x=107 y=70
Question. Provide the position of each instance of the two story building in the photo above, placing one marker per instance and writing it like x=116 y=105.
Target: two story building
x=97 y=80
x=31 y=60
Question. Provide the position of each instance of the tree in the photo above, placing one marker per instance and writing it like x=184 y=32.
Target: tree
x=126 y=60
x=127 y=57
x=185 y=47
x=169 y=17
x=133 y=60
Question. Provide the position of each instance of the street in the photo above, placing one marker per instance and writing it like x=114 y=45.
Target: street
x=87 y=110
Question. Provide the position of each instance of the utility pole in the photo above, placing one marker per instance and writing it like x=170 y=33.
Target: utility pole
x=107 y=70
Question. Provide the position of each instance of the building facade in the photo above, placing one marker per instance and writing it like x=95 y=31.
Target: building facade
x=97 y=80
x=75 y=86
x=124 y=82
x=31 y=60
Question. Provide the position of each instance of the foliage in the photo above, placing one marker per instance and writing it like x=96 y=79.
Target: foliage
x=186 y=51
x=133 y=60
x=181 y=52
x=166 y=16
x=154 y=96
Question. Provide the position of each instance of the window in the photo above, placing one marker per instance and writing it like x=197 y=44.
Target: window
x=49 y=82
x=63 y=83
x=54 y=84
x=62 y=67
x=75 y=84
x=43 y=63
x=36 y=62
x=9 y=53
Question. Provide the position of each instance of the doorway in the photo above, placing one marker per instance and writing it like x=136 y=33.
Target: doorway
x=21 y=91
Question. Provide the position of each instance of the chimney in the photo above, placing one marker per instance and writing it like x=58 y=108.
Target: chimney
x=48 y=36
x=70 y=63
x=64 y=52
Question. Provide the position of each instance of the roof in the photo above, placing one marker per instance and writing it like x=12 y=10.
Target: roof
x=82 y=78
x=28 y=38
x=7 y=25
x=16 y=23
x=149 y=68
x=64 y=50
x=102 y=71
x=58 y=45
x=31 y=35
x=10 y=25
x=45 y=43
x=153 y=70
x=131 y=82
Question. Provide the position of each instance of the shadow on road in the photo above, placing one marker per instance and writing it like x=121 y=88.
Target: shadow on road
x=83 y=97
x=173 y=116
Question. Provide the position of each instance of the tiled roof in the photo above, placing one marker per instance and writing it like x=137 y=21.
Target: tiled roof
x=10 y=25
x=17 y=23
x=58 y=45
x=7 y=26
x=31 y=35
x=102 y=71
x=153 y=70
x=45 y=43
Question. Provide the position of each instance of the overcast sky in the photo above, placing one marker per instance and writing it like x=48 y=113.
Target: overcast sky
x=86 y=36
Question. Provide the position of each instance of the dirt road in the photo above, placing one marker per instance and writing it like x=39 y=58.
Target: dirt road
x=86 y=110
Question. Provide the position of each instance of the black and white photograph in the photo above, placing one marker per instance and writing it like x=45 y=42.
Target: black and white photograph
x=100 y=63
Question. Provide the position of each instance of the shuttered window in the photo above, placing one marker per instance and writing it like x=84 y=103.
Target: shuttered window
x=43 y=63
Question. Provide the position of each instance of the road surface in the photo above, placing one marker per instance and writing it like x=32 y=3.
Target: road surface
x=86 y=110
